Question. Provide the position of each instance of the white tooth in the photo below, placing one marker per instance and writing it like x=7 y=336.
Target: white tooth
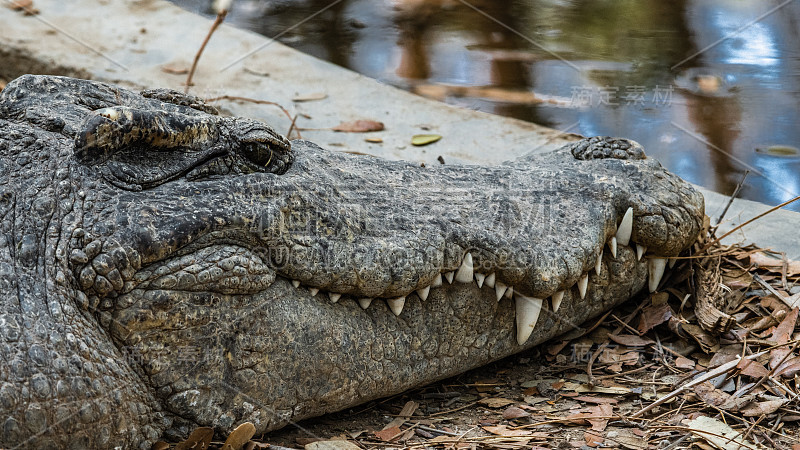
x=598 y=265
x=449 y=276
x=625 y=228
x=500 y=289
x=527 y=309
x=489 y=280
x=296 y=283
x=480 y=279
x=612 y=244
x=509 y=292
x=465 y=272
x=640 y=250
x=313 y=291
x=423 y=293
x=396 y=304
x=672 y=262
x=334 y=296
x=655 y=267
x=364 y=302
x=583 y=283
x=437 y=281
x=557 y=298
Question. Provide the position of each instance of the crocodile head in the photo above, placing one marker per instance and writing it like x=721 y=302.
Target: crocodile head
x=238 y=290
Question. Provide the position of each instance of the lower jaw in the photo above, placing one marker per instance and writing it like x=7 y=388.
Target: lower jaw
x=287 y=355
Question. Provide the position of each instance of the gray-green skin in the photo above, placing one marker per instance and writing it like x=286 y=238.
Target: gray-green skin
x=146 y=283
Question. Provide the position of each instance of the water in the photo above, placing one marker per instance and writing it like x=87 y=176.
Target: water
x=711 y=88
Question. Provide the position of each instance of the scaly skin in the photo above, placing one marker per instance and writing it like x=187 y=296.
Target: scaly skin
x=147 y=272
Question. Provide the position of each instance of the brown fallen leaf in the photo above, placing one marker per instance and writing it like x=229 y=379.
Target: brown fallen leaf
x=359 y=126
x=332 y=445
x=599 y=416
x=593 y=399
x=767 y=407
x=684 y=363
x=711 y=395
x=652 y=316
x=199 y=439
x=775 y=264
x=513 y=412
x=592 y=439
x=175 y=69
x=389 y=434
x=502 y=430
x=239 y=436
x=630 y=340
x=752 y=368
x=496 y=402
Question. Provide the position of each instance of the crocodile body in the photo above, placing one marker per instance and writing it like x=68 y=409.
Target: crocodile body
x=163 y=267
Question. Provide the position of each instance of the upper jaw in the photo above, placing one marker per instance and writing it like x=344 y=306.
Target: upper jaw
x=391 y=229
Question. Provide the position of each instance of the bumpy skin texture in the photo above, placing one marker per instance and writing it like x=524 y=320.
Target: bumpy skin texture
x=147 y=272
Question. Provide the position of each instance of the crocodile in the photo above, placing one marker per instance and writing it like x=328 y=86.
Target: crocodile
x=164 y=267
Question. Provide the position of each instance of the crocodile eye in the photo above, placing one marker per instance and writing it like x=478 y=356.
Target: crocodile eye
x=259 y=153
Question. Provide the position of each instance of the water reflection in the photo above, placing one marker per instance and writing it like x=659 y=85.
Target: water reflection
x=701 y=83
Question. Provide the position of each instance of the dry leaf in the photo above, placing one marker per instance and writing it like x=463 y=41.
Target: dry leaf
x=630 y=340
x=310 y=97
x=711 y=395
x=514 y=413
x=359 y=126
x=337 y=444
x=239 y=436
x=502 y=430
x=496 y=402
x=652 y=316
x=596 y=400
x=752 y=368
x=424 y=139
x=200 y=439
x=718 y=434
x=388 y=434
x=592 y=439
x=374 y=140
x=757 y=409
x=175 y=69
x=599 y=416
x=774 y=264
x=684 y=363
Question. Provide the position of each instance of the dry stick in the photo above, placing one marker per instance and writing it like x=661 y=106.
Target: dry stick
x=772 y=371
x=707 y=246
x=733 y=196
x=709 y=375
x=220 y=17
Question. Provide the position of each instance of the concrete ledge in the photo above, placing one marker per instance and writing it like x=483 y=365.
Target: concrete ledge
x=77 y=39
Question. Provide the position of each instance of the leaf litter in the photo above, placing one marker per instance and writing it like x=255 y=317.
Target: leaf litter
x=695 y=365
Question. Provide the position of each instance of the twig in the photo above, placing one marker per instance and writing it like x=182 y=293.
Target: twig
x=709 y=375
x=733 y=196
x=220 y=17
x=707 y=246
x=251 y=100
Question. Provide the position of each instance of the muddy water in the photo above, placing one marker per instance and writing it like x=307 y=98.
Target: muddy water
x=710 y=87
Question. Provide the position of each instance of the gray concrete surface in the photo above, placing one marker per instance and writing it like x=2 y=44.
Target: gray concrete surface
x=131 y=42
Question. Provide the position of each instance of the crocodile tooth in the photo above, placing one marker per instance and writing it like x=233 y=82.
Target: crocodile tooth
x=449 y=276
x=625 y=228
x=655 y=267
x=671 y=262
x=465 y=272
x=396 y=304
x=612 y=244
x=500 y=289
x=296 y=283
x=313 y=291
x=479 y=279
x=509 y=292
x=364 y=302
x=583 y=283
x=640 y=250
x=437 y=281
x=557 y=298
x=489 y=280
x=598 y=265
x=334 y=296
x=423 y=293
x=527 y=312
